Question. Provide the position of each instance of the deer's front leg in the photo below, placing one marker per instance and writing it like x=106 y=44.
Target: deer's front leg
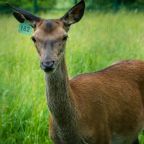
x=103 y=136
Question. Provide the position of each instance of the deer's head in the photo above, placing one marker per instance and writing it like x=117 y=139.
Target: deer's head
x=50 y=35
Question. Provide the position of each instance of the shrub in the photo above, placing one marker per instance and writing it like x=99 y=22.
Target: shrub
x=29 y=4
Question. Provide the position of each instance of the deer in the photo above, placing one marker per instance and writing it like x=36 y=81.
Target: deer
x=103 y=107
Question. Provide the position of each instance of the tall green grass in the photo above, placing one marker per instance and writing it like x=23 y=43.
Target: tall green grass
x=99 y=40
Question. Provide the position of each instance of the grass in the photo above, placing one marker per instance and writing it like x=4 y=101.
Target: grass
x=99 y=40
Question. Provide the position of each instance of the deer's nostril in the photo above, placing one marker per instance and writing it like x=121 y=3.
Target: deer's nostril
x=47 y=66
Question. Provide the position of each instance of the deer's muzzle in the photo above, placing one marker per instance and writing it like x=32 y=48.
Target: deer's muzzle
x=47 y=66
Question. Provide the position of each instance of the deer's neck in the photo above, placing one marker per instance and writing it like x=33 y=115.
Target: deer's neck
x=60 y=102
x=61 y=105
x=58 y=94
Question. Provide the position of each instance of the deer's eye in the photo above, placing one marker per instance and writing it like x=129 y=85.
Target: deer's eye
x=65 y=38
x=33 y=39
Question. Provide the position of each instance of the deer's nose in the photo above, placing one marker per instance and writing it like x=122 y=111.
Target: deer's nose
x=47 y=66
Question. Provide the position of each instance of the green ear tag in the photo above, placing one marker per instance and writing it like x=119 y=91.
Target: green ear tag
x=25 y=28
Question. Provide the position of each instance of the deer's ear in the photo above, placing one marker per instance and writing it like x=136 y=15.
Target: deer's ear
x=19 y=17
x=22 y=15
x=74 y=14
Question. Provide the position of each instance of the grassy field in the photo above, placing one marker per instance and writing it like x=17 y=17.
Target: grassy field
x=99 y=40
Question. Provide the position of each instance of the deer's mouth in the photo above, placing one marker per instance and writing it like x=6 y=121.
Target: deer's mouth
x=48 y=70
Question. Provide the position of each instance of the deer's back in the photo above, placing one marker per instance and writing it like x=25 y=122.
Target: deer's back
x=113 y=98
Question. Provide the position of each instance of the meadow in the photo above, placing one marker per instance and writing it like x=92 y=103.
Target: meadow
x=98 y=41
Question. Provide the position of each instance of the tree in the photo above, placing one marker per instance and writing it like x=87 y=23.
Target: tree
x=117 y=4
x=35 y=3
x=75 y=1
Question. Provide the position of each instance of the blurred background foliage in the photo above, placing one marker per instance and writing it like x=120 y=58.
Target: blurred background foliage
x=45 y=5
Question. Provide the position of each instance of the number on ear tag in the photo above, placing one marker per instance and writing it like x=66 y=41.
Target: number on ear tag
x=25 y=28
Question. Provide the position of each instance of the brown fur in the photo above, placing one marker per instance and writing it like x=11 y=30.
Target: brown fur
x=109 y=102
